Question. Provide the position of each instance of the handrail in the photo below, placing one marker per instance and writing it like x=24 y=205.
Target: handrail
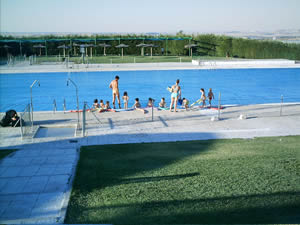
x=69 y=79
x=93 y=113
x=36 y=81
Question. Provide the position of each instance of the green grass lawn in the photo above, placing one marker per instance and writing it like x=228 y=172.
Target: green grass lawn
x=4 y=153
x=215 y=181
x=129 y=59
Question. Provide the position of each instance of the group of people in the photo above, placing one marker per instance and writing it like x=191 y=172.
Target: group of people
x=175 y=97
x=114 y=85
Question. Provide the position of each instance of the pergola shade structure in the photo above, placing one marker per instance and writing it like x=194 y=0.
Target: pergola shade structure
x=64 y=47
x=151 y=46
x=40 y=46
x=91 y=49
x=6 y=48
x=73 y=43
x=190 y=47
x=122 y=46
x=104 y=47
x=74 y=47
x=142 y=46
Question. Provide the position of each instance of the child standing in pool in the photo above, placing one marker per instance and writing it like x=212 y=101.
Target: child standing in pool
x=125 y=99
x=137 y=106
x=203 y=97
x=210 y=96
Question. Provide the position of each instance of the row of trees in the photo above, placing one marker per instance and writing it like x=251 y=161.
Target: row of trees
x=244 y=48
x=207 y=45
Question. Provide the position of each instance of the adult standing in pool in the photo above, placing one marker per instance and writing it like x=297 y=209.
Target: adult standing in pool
x=114 y=85
x=176 y=92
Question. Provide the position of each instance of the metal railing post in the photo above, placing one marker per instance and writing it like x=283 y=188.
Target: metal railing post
x=31 y=104
x=54 y=106
x=152 y=108
x=64 y=105
x=281 y=105
x=21 y=125
x=219 y=105
x=83 y=119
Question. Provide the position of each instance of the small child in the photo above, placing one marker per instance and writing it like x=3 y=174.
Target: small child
x=185 y=103
x=150 y=102
x=162 y=103
x=102 y=106
x=203 y=97
x=137 y=106
x=125 y=99
x=210 y=96
x=107 y=106
x=95 y=106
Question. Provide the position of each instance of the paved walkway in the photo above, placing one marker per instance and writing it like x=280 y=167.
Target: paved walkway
x=35 y=184
x=26 y=68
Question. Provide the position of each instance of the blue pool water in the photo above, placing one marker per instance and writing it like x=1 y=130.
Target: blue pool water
x=237 y=86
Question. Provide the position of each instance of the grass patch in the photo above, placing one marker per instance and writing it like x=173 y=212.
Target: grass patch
x=215 y=181
x=129 y=59
x=4 y=153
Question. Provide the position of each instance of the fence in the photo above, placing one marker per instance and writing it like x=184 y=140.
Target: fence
x=69 y=61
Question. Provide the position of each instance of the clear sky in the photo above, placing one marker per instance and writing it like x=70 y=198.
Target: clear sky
x=140 y=16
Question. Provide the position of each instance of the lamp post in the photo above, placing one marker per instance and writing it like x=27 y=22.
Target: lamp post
x=34 y=82
x=69 y=80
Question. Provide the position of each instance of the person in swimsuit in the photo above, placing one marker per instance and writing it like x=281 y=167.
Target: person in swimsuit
x=203 y=97
x=185 y=103
x=137 y=106
x=114 y=85
x=162 y=103
x=176 y=92
x=107 y=105
x=102 y=106
x=95 y=105
x=125 y=99
x=210 y=96
x=150 y=102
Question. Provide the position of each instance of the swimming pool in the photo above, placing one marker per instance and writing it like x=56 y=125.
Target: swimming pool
x=237 y=86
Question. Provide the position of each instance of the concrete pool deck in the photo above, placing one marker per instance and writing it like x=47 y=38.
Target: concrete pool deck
x=35 y=182
x=205 y=64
